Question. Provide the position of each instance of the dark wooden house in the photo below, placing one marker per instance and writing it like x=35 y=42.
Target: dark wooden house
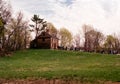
x=45 y=41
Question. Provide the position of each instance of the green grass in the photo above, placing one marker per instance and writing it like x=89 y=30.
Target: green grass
x=60 y=64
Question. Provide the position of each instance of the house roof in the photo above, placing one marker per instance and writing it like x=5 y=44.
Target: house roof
x=46 y=35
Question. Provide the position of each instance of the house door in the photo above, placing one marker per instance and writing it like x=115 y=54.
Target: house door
x=55 y=45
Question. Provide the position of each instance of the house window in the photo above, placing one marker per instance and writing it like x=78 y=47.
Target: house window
x=43 y=39
x=43 y=33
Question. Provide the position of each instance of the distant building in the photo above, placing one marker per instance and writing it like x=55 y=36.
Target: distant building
x=45 y=41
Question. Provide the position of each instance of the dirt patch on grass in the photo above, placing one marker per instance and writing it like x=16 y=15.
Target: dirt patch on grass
x=54 y=81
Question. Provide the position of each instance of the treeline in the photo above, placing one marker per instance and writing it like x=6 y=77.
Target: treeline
x=14 y=31
x=96 y=41
x=15 y=34
x=89 y=40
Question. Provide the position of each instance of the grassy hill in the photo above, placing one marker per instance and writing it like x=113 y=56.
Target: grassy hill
x=53 y=64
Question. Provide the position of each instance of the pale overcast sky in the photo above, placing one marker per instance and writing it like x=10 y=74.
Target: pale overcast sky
x=72 y=14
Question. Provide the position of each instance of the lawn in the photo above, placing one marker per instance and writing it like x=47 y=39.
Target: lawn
x=67 y=65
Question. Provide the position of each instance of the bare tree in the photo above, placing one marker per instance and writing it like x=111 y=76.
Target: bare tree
x=5 y=15
x=18 y=33
x=86 y=29
x=93 y=39
x=77 y=40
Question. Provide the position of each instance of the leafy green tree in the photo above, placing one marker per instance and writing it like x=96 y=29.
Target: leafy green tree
x=109 y=43
x=65 y=37
x=112 y=43
x=51 y=29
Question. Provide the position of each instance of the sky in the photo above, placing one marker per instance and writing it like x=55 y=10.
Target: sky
x=103 y=15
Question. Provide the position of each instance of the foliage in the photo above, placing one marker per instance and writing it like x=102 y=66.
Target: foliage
x=51 y=29
x=112 y=43
x=39 y=25
x=65 y=37
x=109 y=41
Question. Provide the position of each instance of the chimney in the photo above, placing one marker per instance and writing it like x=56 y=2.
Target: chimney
x=48 y=31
